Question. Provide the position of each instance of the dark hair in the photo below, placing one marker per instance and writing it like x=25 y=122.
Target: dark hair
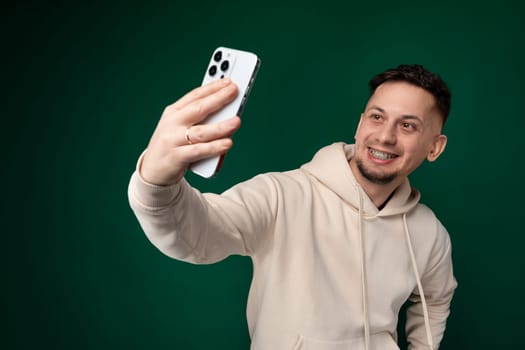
x=417 y=75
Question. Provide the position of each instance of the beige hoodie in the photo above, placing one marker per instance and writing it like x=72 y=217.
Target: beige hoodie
x=331 y=271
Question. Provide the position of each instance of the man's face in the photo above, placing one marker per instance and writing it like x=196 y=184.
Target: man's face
x=399 y=128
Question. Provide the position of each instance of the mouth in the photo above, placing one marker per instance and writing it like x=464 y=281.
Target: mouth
x=380 y=155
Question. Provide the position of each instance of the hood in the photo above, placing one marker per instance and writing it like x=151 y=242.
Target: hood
x=330 y=166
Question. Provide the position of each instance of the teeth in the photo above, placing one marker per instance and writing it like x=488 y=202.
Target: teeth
x=381 y=155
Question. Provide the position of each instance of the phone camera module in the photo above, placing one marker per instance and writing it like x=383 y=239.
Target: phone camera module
x=225 y=65
x=218 y=56
x=212 y=70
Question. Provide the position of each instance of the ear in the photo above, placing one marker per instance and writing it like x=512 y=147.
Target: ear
x=440 y=142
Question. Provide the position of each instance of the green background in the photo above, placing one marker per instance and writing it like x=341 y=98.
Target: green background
x=83 y=88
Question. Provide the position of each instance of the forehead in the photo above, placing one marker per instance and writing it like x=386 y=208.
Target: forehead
x=402 y=98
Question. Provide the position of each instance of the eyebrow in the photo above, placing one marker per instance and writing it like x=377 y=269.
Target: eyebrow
x=405 y=116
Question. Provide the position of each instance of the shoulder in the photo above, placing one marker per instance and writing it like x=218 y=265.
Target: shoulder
x=430 y=239
x=424 y=225
x=422 y=212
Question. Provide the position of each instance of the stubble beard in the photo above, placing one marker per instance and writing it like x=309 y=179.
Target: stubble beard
x=379 y=179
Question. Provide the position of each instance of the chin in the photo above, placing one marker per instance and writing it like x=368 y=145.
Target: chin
x=378 y=178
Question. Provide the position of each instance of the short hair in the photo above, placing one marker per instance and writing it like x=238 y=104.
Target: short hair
x=417 y=75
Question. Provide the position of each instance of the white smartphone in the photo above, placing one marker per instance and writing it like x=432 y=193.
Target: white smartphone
x=241 y=67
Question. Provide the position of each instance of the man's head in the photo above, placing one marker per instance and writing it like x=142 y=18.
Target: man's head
x=401 y=125
x=417 y=75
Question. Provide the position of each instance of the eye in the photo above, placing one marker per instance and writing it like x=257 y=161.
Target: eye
x=408 y=126
x=376 y=116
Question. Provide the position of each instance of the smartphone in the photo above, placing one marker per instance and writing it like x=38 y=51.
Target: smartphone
x=241 y=67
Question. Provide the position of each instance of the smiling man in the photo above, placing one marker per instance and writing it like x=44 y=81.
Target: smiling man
x=400 y=128
x=338 y=245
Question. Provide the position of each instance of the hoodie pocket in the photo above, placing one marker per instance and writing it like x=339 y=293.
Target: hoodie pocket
x=378 y=341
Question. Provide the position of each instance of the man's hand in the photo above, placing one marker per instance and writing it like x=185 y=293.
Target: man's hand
x=178 y=141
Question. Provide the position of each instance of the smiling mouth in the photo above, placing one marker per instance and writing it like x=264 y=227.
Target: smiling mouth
x=381 y=155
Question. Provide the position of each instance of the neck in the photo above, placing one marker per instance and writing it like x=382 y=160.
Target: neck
x=379 y=194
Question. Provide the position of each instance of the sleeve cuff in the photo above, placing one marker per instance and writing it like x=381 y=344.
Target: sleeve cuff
x=150 y=195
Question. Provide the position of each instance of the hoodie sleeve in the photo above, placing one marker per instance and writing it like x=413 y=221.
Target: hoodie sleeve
x=204 y=228
x=438 y=285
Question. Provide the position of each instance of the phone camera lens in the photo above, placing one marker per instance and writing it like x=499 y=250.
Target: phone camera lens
x=225 y=65
x=218 y=56
x=212 y=70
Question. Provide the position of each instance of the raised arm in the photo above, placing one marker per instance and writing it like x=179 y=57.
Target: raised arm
x=179 y=220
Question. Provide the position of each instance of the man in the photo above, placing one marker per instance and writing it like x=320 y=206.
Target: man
x=337 y=245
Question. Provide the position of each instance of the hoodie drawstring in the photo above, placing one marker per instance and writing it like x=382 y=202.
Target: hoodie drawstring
x=419 y=286
x=364 y=281
x=363 y=273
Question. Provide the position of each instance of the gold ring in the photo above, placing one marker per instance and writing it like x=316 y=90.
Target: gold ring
x=187 y=135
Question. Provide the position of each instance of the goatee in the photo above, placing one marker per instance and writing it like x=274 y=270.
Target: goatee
x=379 y=179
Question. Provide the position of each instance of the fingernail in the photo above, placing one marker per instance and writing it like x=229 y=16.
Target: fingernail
x=225 y=81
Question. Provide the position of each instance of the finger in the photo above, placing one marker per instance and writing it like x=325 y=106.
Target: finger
x=200 y=92
x=209 y=132
x=198 y=110
x=195 y=152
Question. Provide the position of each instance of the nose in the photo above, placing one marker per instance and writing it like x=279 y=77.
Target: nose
x=387 y=135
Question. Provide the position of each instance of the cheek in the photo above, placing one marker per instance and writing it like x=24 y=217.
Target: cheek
x=361 y=143
x=415 y=149
x=362 y=135
x=417 y=153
